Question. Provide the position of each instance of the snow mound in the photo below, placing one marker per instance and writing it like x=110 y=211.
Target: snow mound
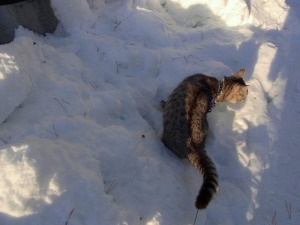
x=49 y=174
x=15 y=82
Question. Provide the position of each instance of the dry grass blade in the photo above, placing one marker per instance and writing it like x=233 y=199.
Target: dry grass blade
x=93 y=85
x=112 y=186
x=196 y=217
x=61 y=104
x=274 y=219
x=53 y=131
x=289 y=209
x=186 y=60
x=117 y=66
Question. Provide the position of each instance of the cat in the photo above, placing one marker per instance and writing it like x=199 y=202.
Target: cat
x=186 y=127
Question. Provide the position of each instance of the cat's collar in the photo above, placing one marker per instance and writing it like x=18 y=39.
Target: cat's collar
x=213 y=102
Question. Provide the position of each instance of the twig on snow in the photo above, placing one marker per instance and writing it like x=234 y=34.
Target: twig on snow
x=195 y=58
x=69 y=217
x=118 y=24
x=64 y=101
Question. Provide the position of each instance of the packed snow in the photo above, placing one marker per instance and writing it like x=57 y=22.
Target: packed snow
x=81 y=120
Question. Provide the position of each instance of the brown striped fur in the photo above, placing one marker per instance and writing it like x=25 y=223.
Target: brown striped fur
x=186 y=126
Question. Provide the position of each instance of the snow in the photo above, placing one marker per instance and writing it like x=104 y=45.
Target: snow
x=14 y=86
x=81 y=120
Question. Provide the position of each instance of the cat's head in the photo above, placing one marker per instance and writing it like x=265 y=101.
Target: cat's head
x=234 y=88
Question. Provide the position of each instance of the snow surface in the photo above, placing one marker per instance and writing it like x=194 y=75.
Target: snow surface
x=81 y=121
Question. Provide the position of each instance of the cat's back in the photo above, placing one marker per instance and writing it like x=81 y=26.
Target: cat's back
x=185 y=92
x=179 y=108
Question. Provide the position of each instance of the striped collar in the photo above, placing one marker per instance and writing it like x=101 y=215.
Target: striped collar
x=213 y=101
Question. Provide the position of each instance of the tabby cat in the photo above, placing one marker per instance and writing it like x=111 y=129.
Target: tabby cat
x=186 y=126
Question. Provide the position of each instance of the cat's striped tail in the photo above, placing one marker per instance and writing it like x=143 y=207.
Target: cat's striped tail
x=210 y=186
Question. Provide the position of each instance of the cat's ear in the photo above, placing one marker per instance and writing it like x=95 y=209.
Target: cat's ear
x=240 y=73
